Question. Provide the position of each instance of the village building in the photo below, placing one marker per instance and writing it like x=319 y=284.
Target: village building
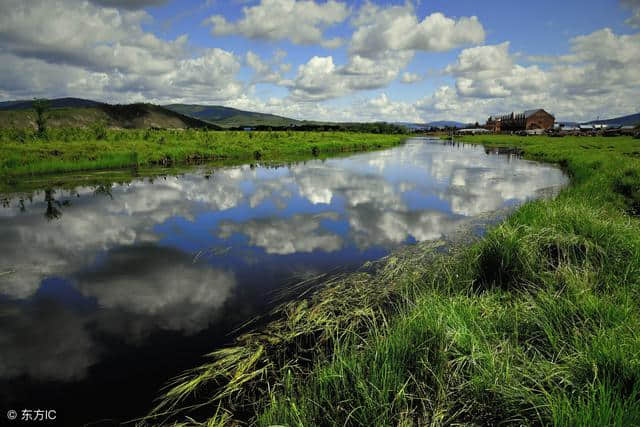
x=529 y=120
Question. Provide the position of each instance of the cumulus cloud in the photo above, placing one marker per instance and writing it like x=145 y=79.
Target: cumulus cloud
x=72 y=48
x=597 y=77
x=102 y=49
x=320 y=78
x=383 y=106
x=301 y=21
x=378 y=30
x=267 y=72
x=383 y=43
x=489 y=72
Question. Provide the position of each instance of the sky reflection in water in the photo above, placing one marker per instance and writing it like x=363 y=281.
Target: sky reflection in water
x=120 y=262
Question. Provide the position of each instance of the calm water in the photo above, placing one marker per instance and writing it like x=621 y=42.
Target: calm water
x=107 y=292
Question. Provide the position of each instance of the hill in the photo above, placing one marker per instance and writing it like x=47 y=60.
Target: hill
x=76 y=112
x=630 y=120
x=447 y=123
x=441 y=123
x=231 y=117
x=53 y=103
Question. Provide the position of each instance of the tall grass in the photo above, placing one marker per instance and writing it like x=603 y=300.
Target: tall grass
x=534 y=324
x=68 y=149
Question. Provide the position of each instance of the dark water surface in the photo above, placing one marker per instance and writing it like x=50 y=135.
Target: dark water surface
x=106 y=292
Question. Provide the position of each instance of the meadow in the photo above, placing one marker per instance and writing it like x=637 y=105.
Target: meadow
x=23 y=152
x=536 y=323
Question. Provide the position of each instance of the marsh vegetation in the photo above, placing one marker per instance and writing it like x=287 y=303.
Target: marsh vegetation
x=27 y=152
x=135 y=274
x=535 y=323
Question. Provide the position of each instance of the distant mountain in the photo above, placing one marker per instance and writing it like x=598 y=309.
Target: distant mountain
x=53 y=103
x=231 y=117
x=448 y=123
x=631 y=120
x=76 y=112
x=442 y=123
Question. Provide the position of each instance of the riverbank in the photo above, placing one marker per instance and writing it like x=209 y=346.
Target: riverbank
x=68 y=150
x=536 y=323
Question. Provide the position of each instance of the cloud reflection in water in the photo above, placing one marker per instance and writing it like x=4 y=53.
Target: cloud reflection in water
x=129 y=249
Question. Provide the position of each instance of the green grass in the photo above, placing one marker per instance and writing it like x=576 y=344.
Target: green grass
x=67 y=149
x=534 y=324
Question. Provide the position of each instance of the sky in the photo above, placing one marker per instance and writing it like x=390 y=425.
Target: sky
x=413 y=61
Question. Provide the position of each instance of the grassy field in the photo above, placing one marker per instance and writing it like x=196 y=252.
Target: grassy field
x=536 y=323
x=68 y=149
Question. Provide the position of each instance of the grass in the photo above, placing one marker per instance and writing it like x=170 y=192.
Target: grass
x=97 y=148
x=534 y=324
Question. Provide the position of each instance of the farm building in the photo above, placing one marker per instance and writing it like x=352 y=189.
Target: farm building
x=529 y=120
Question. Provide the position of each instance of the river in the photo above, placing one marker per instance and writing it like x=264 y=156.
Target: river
x=108 y=291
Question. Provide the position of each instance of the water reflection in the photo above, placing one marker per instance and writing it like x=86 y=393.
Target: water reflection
x=285 y=236
x=46 y=341
x=156 y=287
x=84 y=267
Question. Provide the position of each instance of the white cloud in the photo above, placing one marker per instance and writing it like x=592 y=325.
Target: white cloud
x=398 y=28
x=317 y=79
x=301 y=21
x=597 y=78
x=489 y=72
x=604 y=47
x=289 y=107
x=101 y=49
x=382 y=45
x=320 y=78
x=409 y=78
x=382 y=106
x=267 y=72
x=68 y=48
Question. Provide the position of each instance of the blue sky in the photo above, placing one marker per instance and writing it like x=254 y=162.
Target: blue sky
x=330 y=60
